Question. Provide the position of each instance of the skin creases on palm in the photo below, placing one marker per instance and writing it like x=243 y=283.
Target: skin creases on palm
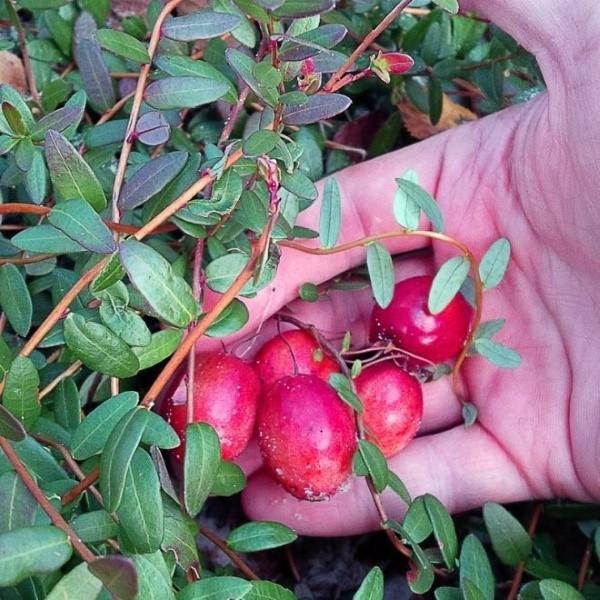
x=528 y=173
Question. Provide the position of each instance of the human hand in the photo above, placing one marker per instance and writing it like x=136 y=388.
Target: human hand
x=528 y=173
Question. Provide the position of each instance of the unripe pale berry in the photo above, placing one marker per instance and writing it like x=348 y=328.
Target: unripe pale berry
x=393 y=406
x=293 y=352
x=408 y=323
x=306 y=436
x=226 y=392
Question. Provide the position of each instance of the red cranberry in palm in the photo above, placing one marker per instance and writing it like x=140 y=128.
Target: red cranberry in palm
x=226 y=392
x=408 y=323
x=306 y=436
x=393 y=406
x=294 y=352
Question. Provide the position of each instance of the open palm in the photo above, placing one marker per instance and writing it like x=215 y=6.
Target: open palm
x=529 y=173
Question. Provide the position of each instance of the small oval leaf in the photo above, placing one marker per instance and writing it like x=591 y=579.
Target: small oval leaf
x=447 y=282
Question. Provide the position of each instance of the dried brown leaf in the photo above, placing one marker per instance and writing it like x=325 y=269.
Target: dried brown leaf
x=419 y=126
x=12 y=71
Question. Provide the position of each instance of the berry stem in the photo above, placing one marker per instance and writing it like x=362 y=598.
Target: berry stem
x=464 y=249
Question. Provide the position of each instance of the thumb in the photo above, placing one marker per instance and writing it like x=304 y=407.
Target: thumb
x=462 y=467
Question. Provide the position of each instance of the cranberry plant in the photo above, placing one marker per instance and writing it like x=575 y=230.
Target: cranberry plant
x=148 y=160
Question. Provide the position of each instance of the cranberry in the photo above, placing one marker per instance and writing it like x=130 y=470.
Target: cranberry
x=409 y=325
x=393 y=406
x=294 y=352
x=306 y=436
x=226 y=391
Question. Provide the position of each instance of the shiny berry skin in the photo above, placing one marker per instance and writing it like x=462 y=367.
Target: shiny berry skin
x=306 y=436
x=226 y=392
x=294 y=352
x=393 y=406
x=409 y=325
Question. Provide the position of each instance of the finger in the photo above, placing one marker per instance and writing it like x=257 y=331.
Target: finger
x=462 y=467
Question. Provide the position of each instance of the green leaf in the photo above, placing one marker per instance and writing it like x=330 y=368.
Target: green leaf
x=443 y=529
x=469 y=414
x=20 y=395
x=15 y=299
x=98 y=348
x=230 y=479
x=41 y=463
x=417 y=195
x=151 y=178
x=267 y=590
x=10 y=427
x=448 y=593
x=310 y=43
x=597 y=542
x=180 y=533
x=299 y=184
x=341 y=384
x=375 y=463
x=159 y=433
x=470 y=591
x=41 y=4
x=19 y=507
x=14 y=119
x=475 y=567
x=397 y=486
x=200 y=465
x=200 y=25
x=303 y=8
x=496 y=353
x=110 y=274
x=260 y=142
x=371 y=587
x=93 y=432
x=183 y=92
x=32 y=551
x=45 y=239
x=161 y=346
x=216 y=588
x=417 y=521
x=489 y=329
x=447 y=282
x=231 y=320
x=94 y=73
x=510 y=540
x=23 y=154
x=494 y=263
x=331 y=213
x=381 y=273
x=244 y=66
x=436 y=100
x=67 y=405
x=406 y=210
x=80 y=222
x=141 y=511
x=117 y=455
x=184 y=66
x=77 y=583
x=553 y=589
x=168 y=294
x=119 y=575
x=58 y=120
x=71 y=176
x=124 y=322
x=260 y=535
x=95 y=526
x=123 y=44
x=318 y=108
x=450 y=5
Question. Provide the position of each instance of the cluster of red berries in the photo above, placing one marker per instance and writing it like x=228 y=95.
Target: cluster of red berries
x=306 y=433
